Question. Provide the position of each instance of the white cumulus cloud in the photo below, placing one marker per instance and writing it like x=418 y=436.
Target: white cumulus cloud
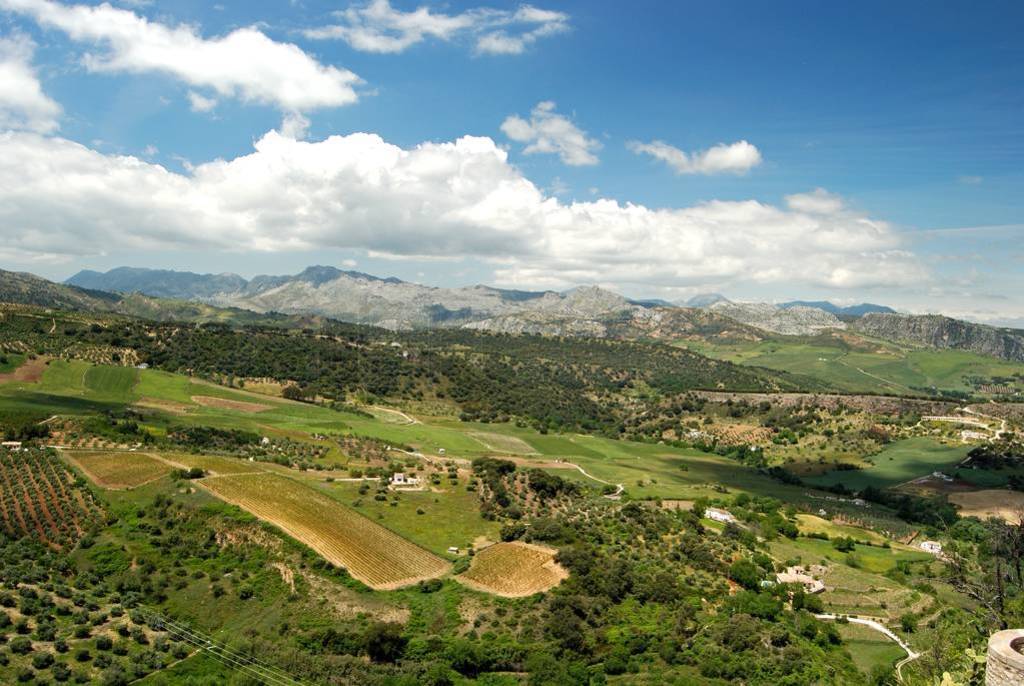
x=243 y=64
x=455 y=200
x=735 y=158
x=200 y=103
x=379 y=27
x=23 y=104
x=549 y=132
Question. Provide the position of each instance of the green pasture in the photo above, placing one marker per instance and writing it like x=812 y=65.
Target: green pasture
x=116 y=383
x=872 y=559
x=10 y=361
x=868 y=648
x=876 y=367
x=646 y=470
x=450 y=517
x=897 y=463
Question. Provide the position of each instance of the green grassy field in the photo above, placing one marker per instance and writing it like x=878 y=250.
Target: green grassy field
x=645 y=470
x=10 y=361
x=112 y=382
x=868 y=648
x=880 y=367
x=433 y=520
x=896 y=464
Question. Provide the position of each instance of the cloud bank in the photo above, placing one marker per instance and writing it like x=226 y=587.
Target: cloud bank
x=23 y=105
x=379 y=27
x=60 y=200
x=243 y=64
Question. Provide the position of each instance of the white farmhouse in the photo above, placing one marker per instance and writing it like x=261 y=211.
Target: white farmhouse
x=719 y=515
x=403 y=480
x=933 y=547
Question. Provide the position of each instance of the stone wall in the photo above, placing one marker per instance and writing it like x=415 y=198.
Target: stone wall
x=1005 y=664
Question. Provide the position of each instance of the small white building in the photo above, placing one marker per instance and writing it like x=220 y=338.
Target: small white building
x=933 y=547
x=454 y=550
x=719 y=515
x=13 y=446
x=403 y=480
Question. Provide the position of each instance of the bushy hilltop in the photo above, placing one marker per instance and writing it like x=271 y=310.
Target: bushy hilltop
x=937 y=331
x=587 y=384
x=28 y=289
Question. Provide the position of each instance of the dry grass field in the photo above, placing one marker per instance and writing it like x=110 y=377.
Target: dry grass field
x=503 y=444
x=212 y=464
x=118 y=470
x=514 y=570
x=225 y=404
x=148 y=403
x=993 y=502
x=376 y=556
x=29 y=372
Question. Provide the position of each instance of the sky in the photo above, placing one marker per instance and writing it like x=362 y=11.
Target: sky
x=768 y=151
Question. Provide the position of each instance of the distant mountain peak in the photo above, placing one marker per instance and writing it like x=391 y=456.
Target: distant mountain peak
x=838 y=310
x=703 y=300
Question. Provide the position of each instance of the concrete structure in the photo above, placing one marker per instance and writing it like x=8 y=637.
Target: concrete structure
x=719 y=515
x=1005 y=664
x=13 y=446
x=403 y=480
x=797 y=575
x=933 y=547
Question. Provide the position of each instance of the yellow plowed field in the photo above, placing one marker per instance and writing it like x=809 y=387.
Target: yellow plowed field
x=378 y=557
x=514 y=570
x=119 y=469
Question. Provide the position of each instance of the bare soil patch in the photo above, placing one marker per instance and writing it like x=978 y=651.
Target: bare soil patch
x=29 y=372
x=677 y=504
x=225 y=404
x=993 y=502
x=502 y=443
x=164 y=405
x=514 y=570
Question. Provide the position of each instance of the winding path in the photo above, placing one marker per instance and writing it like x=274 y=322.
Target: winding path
x=882 y=629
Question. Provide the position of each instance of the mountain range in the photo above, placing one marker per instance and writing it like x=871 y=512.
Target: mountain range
x=396 y=304
x=317 y=292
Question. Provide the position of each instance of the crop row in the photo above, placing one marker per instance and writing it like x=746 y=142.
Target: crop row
x=371 y=553
x=39 y=497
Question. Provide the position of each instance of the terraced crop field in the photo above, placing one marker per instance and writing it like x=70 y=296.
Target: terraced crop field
x=119 y=469
x=378 y=557
x=514 y=570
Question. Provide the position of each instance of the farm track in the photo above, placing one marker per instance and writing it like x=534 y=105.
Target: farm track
x=371 y=553
x=877 y=625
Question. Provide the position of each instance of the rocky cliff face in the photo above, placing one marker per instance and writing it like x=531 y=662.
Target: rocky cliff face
x=792 y=321
x=937 y=331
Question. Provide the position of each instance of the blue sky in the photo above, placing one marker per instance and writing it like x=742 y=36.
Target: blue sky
x=766 y=150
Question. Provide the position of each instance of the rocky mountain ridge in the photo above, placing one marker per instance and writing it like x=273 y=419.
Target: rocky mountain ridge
x=396 y=304
x=944 y=333
x=585 y=311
